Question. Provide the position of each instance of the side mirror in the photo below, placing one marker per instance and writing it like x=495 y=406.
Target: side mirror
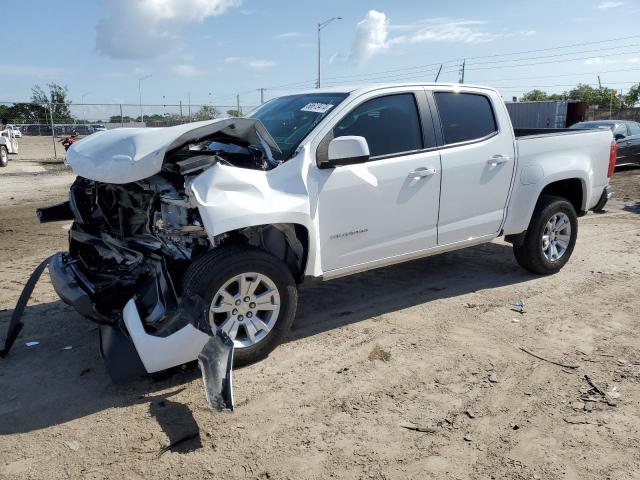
x=619 y=136
x=347 y=150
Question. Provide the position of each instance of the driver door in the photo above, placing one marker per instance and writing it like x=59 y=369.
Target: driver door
x=387 y=206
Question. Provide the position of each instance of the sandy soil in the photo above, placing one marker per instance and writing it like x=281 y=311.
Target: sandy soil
x=432 y=344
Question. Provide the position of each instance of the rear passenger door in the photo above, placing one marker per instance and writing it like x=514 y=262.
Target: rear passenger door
x=477 y=156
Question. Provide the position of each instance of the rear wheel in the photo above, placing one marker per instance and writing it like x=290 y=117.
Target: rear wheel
x=250 y=294
x=4 y=156
x=550 y=238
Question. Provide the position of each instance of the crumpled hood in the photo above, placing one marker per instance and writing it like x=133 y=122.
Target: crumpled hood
x=126 y=155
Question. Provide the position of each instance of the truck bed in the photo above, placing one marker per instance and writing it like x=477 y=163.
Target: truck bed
x=539 y=132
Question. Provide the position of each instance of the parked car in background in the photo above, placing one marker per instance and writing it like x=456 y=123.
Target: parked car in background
x=97 y=128
x=627 y=135
x=16 y=131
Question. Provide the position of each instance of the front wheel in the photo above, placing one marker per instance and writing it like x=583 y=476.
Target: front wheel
x=4 y=156
x=250 y=295
x=550 y=238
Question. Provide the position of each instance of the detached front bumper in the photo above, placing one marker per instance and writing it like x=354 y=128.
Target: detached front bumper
x=127 y=348
x=74 y=288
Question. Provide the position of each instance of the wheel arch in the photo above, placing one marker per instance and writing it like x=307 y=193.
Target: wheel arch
x=571 y=189
x=287 y=241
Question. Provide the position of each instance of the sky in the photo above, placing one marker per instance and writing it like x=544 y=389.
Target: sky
x=211 y=50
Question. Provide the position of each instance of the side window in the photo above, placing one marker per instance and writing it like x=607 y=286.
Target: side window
x=390 y=124
x=465 y=116
x=634 y=128
x=621 y=128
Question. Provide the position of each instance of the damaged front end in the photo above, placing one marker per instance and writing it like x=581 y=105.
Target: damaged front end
x=135 y=231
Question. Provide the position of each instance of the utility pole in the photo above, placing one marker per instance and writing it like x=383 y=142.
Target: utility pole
x=53 y=131
x=121 y=117
x=321 y=25
x=189 y=95
x=599 y=83
x=261 y=95
x=238 y=105
x=84 y=110
x=462 y=71
x=140 y=80
x=438 y=75
x=181 y=117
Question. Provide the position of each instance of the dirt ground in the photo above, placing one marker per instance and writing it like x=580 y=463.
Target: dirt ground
x=433 y=345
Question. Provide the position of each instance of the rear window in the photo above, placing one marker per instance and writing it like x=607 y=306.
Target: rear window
x=465 y=116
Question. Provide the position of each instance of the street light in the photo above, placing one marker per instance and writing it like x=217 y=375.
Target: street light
x=321 y=25
x=140 y=80
x=84 y=109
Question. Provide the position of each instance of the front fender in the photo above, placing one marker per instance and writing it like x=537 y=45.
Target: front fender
x=229 y=198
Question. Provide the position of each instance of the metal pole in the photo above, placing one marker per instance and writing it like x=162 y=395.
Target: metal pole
x=189 y=95
x=610 y=104
x=462 y=71
x=238 y=104
x=140 y=99
x=438 y=75
x=321 y=25
x=181 y=117
x=318 y=80
x=140 y=95
x=53 y=132
x=121 y=117
x=262 y=95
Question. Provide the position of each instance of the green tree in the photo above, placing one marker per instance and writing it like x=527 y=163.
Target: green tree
x=602 y=96
x=632 y=98
x=534 y=96
x=56 y=98
x=233 y=113
x=206 y=112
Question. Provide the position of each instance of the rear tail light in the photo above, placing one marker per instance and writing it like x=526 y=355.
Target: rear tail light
x=612 y=158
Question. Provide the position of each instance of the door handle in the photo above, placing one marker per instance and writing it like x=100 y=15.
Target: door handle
x=422 y=172
x=498 y=160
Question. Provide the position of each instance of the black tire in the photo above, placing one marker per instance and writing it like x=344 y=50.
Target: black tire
x=4 y=156
x=207 y=274
x=530 y=254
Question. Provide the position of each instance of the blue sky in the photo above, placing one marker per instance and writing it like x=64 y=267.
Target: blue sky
x=216 y=48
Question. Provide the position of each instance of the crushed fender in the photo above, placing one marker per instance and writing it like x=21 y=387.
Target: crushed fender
x=15 y=325
x=216 y=360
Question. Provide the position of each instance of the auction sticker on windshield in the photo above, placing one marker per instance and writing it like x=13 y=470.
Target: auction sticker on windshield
x=316 y=107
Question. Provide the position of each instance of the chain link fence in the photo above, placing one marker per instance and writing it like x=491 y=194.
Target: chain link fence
x=595 y=113
x=41 y=127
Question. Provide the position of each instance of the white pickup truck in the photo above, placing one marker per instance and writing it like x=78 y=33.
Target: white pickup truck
x=8 y=144
x=213 y=225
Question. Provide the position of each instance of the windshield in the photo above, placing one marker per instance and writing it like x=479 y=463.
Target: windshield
x=290 y=119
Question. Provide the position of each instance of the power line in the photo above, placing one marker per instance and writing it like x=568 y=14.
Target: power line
x=459 y=60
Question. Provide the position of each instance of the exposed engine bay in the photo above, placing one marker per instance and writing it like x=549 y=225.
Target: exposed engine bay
x=136 y=240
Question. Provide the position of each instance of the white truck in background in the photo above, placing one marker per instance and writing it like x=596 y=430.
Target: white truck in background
x=8 y=144
x=231 y=215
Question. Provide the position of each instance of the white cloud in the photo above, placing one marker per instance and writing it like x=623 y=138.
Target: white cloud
x=608 y=5
x=250 y=63
x=373 y=34
x=186 y=70
x=148 y=28
x=286 y=35
x=31 y=71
